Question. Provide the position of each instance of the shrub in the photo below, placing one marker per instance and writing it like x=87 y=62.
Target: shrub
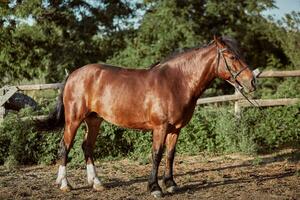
x=21 y=144
x=212 y=129
x=274 y=127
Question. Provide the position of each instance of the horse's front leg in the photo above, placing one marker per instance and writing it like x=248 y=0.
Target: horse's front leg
x=168 y=180
x=158 y=137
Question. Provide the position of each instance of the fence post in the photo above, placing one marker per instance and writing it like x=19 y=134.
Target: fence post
x=237 y=108
x=5 y=93
x=2 y=108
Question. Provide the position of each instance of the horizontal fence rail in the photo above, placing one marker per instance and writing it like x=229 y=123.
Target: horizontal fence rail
x=39 y=86
x=278 y=74
x=7 y=91
x=268 y=102
x=218 y=99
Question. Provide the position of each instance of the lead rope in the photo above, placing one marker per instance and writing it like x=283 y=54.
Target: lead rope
x=250 y=101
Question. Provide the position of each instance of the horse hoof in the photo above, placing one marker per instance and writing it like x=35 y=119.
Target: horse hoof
x=156 y=194
x=98 y=187
x=66 y=188
x=171 y=189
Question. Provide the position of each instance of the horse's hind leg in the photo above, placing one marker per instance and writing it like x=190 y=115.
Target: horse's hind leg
x=66 y=145
x=93 y=124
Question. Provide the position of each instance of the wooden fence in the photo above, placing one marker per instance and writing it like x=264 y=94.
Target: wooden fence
x=7 y=91
x=241 y=102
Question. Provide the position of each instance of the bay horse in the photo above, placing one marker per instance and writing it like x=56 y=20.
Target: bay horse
x=161 y=99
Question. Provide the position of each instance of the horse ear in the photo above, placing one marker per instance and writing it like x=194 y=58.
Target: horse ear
x=215 y=38
x=218 y=41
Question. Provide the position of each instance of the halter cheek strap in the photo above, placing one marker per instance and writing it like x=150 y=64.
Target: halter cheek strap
x=233 y=74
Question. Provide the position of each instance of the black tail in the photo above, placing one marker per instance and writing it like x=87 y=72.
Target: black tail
x=56 y=119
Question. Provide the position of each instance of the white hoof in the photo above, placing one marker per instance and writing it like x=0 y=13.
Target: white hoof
x=66 y=188
x=156 y=194
x=98 y=187
x=171 y=189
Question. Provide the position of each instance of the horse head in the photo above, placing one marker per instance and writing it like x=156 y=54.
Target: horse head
x=232 y=67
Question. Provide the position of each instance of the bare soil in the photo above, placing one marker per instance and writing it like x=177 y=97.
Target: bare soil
x=275 y=176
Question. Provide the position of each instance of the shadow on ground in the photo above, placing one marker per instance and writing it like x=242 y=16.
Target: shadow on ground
x=259 y=161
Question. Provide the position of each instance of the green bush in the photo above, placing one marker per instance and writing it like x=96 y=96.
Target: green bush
x=273 y=128
x=112 y=142
x=212 y=129
x=19 y=143
x=287 y=87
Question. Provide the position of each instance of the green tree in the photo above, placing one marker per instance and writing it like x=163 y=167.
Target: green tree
x=174 y=24
x=287 y=36
x=44 y=37
x=164 y=28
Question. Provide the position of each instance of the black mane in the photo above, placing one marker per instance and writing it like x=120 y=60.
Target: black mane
x=179 y=52
x=228 y=41
x=232 y=44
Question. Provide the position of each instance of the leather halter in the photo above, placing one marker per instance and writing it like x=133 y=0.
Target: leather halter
x=233 y=74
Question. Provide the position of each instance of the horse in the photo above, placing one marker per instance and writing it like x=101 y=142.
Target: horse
x=160 y=99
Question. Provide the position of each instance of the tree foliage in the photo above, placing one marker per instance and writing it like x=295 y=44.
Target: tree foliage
x=173 y=24
x=42 y=38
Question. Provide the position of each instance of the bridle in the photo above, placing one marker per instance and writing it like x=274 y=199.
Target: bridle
x=233 y=74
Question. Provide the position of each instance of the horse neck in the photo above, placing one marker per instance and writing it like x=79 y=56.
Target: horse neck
x=196 y=69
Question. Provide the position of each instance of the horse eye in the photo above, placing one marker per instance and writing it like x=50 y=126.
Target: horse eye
x=233 y=57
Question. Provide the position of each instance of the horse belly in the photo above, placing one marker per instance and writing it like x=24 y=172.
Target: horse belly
x=122 y=107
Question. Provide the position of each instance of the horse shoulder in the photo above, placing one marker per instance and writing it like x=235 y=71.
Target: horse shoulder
x=180 y=104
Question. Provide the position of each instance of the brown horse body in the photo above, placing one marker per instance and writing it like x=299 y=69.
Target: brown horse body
x=161 y=99
x=140 y=99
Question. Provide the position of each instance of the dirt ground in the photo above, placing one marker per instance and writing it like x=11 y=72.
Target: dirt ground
x=275 y=176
